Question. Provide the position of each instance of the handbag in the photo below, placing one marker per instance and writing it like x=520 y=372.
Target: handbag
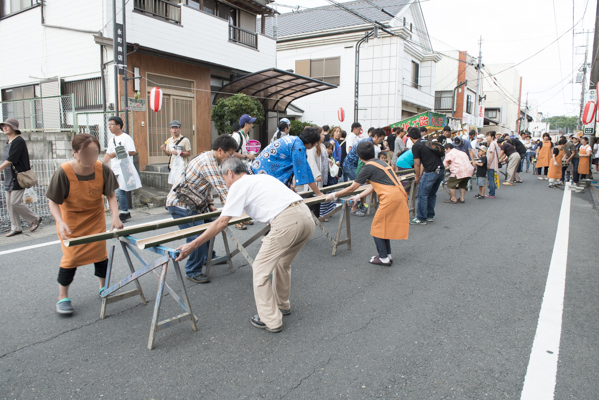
x=25 y=179
x=189 y=196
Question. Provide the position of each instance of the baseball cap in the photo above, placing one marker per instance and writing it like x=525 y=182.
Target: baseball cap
x=175 y=124
x=483 y=148
x=246 y=119
x=481 y=136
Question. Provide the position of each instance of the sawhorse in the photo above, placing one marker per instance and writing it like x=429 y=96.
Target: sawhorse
x=128 y=244
x=345 y=216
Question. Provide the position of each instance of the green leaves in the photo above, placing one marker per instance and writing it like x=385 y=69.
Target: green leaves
x=227 y=111
x=298 y=126
x=563 y=122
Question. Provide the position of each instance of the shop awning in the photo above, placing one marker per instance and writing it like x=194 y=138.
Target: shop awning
x=430 y=120
x=274 y=88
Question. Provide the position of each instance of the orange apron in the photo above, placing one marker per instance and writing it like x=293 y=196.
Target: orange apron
x=83 y=212
x=584 y=163
x=544 y=159
x=392 y=219
x=555 y=172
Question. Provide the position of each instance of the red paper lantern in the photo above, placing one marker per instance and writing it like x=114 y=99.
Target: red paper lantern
x=588 y=115
x=341 y=114
x=156 y=99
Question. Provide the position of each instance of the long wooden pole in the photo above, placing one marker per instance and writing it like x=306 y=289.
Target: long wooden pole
x=407 y=174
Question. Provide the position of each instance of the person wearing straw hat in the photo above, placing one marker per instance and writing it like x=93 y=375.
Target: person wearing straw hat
x=15 y=159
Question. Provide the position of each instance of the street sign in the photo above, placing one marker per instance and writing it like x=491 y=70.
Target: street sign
x=120 y=49
x=134 y=105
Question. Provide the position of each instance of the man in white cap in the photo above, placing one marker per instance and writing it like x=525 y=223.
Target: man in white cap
x=176 y=145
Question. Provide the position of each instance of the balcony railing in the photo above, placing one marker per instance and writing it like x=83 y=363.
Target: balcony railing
x=159 y=9
x=241 y=36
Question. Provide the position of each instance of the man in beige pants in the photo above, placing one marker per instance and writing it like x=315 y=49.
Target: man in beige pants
x=267 y=200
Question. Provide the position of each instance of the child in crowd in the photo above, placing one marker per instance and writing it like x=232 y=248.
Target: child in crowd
x=481 y=172
x=383 y=157
x=333 y=178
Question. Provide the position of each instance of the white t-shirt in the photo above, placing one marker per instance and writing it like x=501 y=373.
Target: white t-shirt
x=409 y=144
x=244 y=139
x=122 y=140
x=351 y=140
x=261 y=196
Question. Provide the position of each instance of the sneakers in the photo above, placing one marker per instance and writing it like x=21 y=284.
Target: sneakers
x=285 y=312
x=416 y=221
x=430 y=220
x=255 y=320
x=199 y=278
x=64 y=307
x=508 y=183
x=358 y=213
x=124 y=216
x=540 y=178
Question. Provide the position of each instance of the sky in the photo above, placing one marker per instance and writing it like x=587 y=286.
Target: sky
x=513 y=30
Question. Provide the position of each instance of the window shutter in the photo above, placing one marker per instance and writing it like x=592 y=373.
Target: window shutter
x=302 y=67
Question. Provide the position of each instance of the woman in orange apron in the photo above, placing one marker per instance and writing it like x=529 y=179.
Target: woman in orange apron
x=555 y=166
x=391 y=221
x=584 y=163
x=77 y=205
x=544 y=156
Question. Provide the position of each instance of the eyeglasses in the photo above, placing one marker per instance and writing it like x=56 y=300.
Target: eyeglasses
x=230 y=154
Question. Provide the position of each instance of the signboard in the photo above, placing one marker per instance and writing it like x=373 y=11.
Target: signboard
x=134 y=105
x=589 y=130
x=480 y=116
x=430 y=120
x=120 y=48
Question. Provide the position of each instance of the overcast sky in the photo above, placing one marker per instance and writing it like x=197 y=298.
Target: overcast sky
x=513 y=30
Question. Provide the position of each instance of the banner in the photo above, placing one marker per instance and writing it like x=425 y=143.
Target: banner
x=430 y=120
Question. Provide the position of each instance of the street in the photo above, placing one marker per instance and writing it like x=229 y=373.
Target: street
x=454 y=317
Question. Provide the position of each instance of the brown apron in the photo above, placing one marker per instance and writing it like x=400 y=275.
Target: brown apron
x=83 y=212
x=392 y=219
x=584 y=163
x=555 y=171
x=544 y=159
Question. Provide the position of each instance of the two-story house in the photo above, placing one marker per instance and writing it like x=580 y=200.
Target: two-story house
x=394 y=71
x=188 y=48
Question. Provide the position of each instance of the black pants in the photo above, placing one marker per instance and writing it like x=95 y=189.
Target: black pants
x=66 y=275
x=383 y=246
x=546 y=171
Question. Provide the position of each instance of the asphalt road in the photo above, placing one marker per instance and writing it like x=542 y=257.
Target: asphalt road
x=454 y=317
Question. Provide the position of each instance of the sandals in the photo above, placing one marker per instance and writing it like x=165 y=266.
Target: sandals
x=35 y=224
x=241 y=226
x=450 y=202
x=13 y=233
x=377 y=261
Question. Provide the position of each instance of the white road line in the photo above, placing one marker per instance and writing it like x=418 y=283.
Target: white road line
x=539 y=383
x=35 y=246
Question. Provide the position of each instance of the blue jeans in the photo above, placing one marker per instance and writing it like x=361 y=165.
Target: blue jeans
x=529 y=157
x=427 y=194
x=491 y=178
x=121 y=197
x=349 y=174
x=198 y=257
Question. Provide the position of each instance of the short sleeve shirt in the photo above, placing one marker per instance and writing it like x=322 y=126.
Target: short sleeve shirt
x=429 y=160
x=508 y=149
x=181 y=143
x=261 y=196
x=122 y=140
x=284 y=159
x=351 y=140
x=59 y=187
x=351 y=161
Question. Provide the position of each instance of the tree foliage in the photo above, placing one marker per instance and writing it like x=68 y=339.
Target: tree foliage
x=298 y=126
x=227 y=111
x=563 y=122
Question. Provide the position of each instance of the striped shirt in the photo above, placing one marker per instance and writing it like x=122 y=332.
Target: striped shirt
x=204 y=175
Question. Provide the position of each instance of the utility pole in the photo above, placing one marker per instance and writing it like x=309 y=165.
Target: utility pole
x=125 y=80
x=583 y=86
x=479 y=67
x=525 y=115
x=116 y=68
x=595 y=65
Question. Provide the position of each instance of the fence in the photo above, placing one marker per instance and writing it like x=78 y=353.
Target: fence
x=44 y=169
x=47 y=114
x=96 y=124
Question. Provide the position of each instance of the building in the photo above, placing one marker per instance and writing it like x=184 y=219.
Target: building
x=188 y=48
x=503 y=104
x=455 y=89
x=395 y=69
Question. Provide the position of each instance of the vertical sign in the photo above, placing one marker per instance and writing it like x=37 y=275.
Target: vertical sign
x=480 y=116
x=589 y=130
x=120 y=49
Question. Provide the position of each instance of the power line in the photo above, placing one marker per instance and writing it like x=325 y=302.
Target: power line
x=559 y=53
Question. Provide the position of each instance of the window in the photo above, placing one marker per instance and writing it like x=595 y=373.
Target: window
x=444 y=100
x=22 y=110
x=209 y=7
x=324 y=69
x=469 y=104
x=8 y=7
x=415 y=74
x=87 y=93
x=491 y=114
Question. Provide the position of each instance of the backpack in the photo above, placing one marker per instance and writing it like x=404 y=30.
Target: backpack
x=240 y=141
x=436 y=147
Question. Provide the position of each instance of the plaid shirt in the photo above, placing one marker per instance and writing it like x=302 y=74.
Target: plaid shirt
x=204 y=174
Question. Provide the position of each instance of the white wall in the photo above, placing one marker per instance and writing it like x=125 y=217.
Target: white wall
x=40 y=52
x=507 y=102
x=200 y=36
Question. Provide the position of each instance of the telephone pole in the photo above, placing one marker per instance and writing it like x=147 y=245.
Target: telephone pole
x=584 y=82
x=479 y=67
